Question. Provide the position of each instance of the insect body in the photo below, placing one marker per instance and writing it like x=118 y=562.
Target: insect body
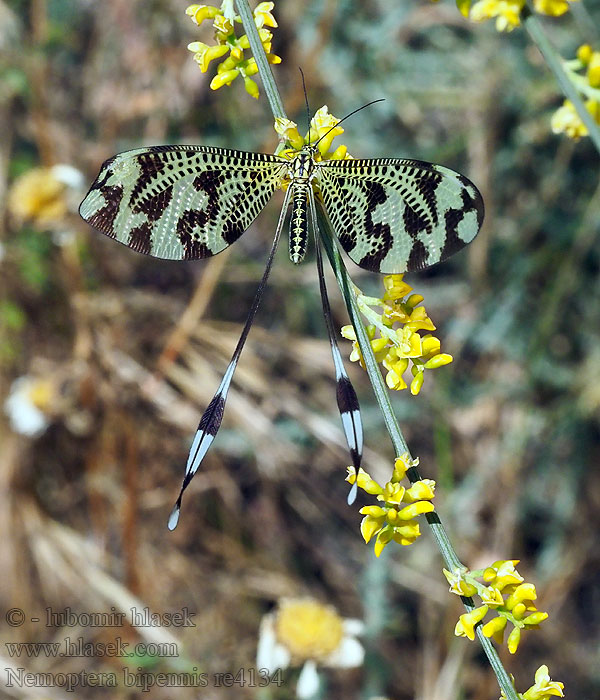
x=189 y=202
x=302 y=171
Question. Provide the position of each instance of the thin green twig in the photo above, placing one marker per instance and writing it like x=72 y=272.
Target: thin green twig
x=264 y=68
x=381 y=393
x=345 y=283
x=554 y=61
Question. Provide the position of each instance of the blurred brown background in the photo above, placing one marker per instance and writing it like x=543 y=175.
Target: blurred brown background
x=119 y=354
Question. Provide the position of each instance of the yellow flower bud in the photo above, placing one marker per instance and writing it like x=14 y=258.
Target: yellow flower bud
x=593 y=71
x=417 y=383
x=351 y=478
x=465 y=627
x=227 y=64
x=518 y=611
x=415 y=509
x=535 y=618
x=495 y=628
x=463 y=7
x=553 y=8
x=204 y=54
x=438 y=361
x=413 y=300
x=431 y=346
x=327 y=138
x=420 y=490
x=489 y=574
x=584 y=53
x=237 y=54
x=401 y=465
x=224 y=78
x=392 y=516
x=513 y=640
x=371 y=486
x=251 y=87
x=339 y=153
x=525 y=591
x=373 y=511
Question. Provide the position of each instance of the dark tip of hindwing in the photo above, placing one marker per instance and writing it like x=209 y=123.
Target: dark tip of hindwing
x=356 y=458
x=212 y=417
x=346 y=396
x=207 y=429
x=351 y=421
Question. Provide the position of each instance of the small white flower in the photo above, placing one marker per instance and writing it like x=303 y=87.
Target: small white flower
x=304 y=632
x=22 y=406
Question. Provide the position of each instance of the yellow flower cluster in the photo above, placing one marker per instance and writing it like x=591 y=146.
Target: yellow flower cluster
x=38 y=196
x=394 y=519
x=584 y=73
x=544 y=687
x=227 y=42
x=508 y=12
x=503 y=591
x=322 y=129
x=399 y=342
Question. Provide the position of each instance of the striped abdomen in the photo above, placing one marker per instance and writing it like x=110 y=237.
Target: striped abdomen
x=298 y=221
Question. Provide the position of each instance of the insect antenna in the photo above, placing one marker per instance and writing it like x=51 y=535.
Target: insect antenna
x=347 y=400
x=212 y=417
x=382 y=99
x=305 y=101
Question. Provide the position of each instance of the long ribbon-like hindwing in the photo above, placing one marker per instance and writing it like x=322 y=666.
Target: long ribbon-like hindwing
x=211 y=420
x=347 y=400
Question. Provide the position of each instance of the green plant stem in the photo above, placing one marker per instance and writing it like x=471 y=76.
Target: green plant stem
x=381 y=393
x=345 y=283
x=554 y=61
x=264 y=68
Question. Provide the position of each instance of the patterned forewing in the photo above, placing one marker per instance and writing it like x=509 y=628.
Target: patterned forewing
x=181 y=202
x=394 y=215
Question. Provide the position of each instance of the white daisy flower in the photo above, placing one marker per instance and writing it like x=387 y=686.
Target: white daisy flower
x=304 y=632
x=28 y=396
